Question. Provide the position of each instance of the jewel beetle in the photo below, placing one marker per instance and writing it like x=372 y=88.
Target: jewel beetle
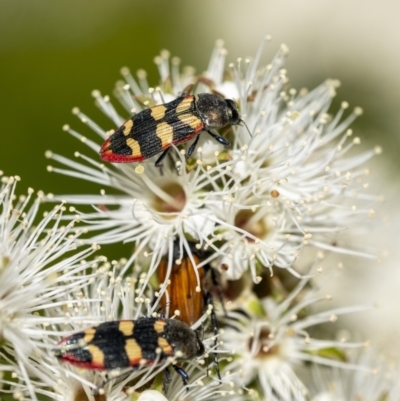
x=156 y=129
x=131 y=343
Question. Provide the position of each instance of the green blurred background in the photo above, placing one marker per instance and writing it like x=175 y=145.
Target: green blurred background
x=54 y=53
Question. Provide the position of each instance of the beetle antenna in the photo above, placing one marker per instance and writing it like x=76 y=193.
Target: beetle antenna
x=246 y=127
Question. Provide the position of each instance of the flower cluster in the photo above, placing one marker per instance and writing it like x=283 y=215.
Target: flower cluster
x=248 y=225
x=39 y=265
x=295 y=183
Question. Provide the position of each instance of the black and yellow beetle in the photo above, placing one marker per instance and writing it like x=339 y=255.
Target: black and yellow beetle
x=154 y=130
x=131 y=343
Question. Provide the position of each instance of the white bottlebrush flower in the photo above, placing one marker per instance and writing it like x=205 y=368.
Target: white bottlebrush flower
x=270 y=341
x=36 y=267
x=377 y=380
x=289 y=181
x=298 y=182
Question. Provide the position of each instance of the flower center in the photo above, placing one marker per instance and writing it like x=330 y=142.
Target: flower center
x=278 y=286
x=234 y=288
x=252 y=222
x=171 y=200
x=263 y=348
x=80 y=395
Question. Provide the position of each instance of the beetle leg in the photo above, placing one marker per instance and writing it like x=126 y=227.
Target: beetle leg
x=219 y=139
x=193 y=147
x=166 y=380
x=217 y=286
x=182 y=374
x=160 y=160
x=209 y=301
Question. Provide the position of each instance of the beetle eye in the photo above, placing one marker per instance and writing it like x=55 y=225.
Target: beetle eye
x=234 y=117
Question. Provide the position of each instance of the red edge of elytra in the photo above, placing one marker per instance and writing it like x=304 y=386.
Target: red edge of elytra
x=69 y=358
x=108 y=155
x=73 y=360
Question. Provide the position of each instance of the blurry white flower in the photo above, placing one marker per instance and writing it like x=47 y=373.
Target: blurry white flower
x=269 y=342
x=375 y=380
x=151 y=395
x=296 y=182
